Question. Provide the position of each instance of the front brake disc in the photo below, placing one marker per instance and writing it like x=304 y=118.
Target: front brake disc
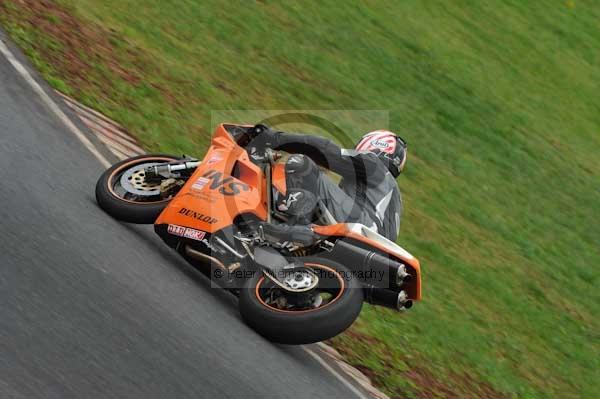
x=134 y=181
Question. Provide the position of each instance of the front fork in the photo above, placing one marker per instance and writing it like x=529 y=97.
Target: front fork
x=268 y=170
x=165 y=171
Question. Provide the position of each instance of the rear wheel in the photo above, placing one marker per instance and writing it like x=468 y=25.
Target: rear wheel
x=123 y=192
x=301 y=318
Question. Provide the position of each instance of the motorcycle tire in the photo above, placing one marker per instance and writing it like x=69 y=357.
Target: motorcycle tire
x=128 y=210
x=296 y=327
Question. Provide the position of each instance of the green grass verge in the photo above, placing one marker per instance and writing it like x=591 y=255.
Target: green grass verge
x=498 y=101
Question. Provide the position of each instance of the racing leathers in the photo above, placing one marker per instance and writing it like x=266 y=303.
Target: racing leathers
x=367 y=193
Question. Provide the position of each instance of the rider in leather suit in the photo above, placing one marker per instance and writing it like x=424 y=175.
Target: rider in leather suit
x=368 y=192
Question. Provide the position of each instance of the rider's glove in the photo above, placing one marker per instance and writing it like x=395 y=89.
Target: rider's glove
x=264 y=137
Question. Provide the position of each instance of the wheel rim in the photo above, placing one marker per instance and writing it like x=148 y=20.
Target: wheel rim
x=127 y=182
x=265 y=288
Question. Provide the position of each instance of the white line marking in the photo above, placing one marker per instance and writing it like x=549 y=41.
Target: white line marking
x=73 y=103
x=115 y=151
x=335 y=373
x=114 y=144
x=51 y=104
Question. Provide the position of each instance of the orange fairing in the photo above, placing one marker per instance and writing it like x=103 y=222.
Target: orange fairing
x=225 y=185
x=344 y=230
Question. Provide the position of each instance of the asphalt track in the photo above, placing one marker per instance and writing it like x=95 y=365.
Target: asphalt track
x=94 y=308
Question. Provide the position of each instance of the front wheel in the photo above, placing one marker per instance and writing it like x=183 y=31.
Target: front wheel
x=123 y=192
x=303 y=318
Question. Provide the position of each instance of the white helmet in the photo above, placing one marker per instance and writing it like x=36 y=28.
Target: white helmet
x=389 y=147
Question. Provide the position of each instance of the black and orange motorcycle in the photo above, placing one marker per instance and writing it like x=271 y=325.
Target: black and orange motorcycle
x=219 y=214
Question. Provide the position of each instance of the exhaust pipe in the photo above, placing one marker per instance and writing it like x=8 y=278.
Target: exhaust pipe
x=376 y=269
x=390 y=299
x=403 y=302
x=402 y=276
x=203 y=258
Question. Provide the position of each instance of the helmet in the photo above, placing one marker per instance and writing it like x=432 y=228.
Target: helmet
x=390 y=148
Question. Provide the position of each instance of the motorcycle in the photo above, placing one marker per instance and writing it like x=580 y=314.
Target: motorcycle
x=295 y=284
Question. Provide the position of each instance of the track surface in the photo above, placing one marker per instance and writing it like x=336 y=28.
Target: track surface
x=90 y=307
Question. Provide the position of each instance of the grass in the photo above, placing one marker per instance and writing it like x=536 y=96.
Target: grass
x=499 y=103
